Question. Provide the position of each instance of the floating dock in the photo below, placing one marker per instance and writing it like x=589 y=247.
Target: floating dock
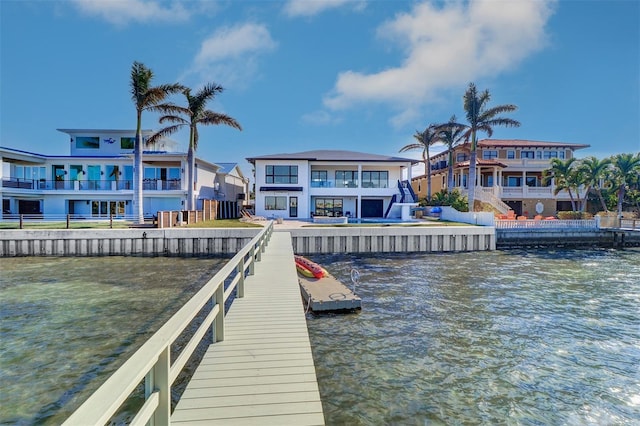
x=327 y=294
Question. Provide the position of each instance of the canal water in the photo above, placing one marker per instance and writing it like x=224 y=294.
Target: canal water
x=505 y=337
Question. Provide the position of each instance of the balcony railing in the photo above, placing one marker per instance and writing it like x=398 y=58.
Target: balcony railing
x=89 y=185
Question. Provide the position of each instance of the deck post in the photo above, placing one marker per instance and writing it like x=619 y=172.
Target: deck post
x=253 y=260
x=157 y=380
x=218 y=299
x=241 y=278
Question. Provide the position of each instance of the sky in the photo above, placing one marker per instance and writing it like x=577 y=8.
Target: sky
x=324 y=74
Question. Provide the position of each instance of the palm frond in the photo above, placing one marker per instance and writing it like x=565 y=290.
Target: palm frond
x=173 y=119
x=209 y=117
x=163 y=133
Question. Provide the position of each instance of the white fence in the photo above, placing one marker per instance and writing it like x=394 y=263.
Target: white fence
x=152 y=361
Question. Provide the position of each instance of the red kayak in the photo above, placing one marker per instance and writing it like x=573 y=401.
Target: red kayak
x=304 y=263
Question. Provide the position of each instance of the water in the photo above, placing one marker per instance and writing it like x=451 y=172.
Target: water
x=517 y=337
x=67 y=323
x=522 y=338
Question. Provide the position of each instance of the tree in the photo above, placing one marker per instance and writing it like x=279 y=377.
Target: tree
x=425 y=139
x=481 y=118
x=626 y=168
x=594 y=171
x=562 y=174
x=145 y=98
x=195 y=113
x=451 y=134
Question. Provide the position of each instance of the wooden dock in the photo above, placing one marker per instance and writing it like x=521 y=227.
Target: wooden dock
x=262 y=373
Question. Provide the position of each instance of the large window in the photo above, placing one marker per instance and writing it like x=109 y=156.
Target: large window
x=375 y=179
x=461 y=156
x=489 y=154
x=281 y=174
x=550 y=154
x=328 y=207
x=275 y=203
x=319 y=178
x=346 y=179
x=527 y=154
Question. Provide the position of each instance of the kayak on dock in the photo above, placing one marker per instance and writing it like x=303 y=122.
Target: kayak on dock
x=321 y=291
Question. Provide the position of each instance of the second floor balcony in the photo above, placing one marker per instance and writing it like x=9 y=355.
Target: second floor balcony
x=89 y=185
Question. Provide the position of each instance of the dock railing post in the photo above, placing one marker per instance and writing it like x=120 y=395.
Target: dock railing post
x=218 y=299
x=157 y=380
x=253 y=260
x=241 y=278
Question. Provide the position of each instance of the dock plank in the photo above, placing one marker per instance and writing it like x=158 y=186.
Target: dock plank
x=263 y=372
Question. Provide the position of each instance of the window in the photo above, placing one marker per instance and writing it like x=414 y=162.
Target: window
x=375 y=179
x=527 y=154
x=561 y=154
x=319 y=178
x=275 y=203
x=281 y=174
x=127 y=143
x=346 y=179
x=328 y=207
x=489 y=154
x=532 y=181
x=511 y=155
x=514 y=181
x=88 y=142
x=461 y=157
x=550 y=154
x=538 y=155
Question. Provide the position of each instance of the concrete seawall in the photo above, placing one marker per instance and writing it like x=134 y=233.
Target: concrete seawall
x=605 y=238
x=127 y=242
x=393 y=239
x=205 y=242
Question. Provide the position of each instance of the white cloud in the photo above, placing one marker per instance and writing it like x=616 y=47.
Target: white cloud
x=295 y=8
x=320 y=117
x=230 y=54
x=123 y=12
x=445 y=45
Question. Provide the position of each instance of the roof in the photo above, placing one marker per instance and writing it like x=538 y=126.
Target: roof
x=73 y=131
x=481 y=162
x=333 y=155
x=226 y=167
x=520 y=143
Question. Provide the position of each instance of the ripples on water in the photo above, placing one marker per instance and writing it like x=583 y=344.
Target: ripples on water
x=67 y=323
x=513 y=337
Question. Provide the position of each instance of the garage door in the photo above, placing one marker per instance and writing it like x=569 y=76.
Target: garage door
x=372 y=208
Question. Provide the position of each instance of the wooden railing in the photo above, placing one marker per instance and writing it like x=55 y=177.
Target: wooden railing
x=152 y=361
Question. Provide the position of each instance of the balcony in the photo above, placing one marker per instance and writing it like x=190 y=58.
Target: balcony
x=89 y=185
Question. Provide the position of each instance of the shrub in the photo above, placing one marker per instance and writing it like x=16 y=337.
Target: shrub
x=570 y=215
x=453 y=199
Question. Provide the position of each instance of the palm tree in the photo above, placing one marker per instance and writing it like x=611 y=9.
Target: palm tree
x=626 y=168
x=145 y=98
x=195 y=113
x=594 y=171
x=425 y=139
x=563 y=176
x=482 y=118
x=451 y=134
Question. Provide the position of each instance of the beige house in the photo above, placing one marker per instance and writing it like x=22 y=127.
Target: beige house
x=509 y=174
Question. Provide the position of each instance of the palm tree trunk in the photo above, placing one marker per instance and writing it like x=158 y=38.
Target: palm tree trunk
x=471 y=184
x=621 y=192
x=450 y=172
x=604 y=205
x=138 y=211
x=573 y=201
x=427 y=172
x=192 y=166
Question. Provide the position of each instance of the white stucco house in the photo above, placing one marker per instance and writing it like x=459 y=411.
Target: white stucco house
x=330 y=183
x=95 y=180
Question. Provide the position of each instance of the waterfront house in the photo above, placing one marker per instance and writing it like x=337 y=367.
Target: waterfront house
x=331 y=183
x=96 y=179
x=509 y=175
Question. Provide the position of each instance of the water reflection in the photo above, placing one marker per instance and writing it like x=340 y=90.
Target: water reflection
x=484 y=338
